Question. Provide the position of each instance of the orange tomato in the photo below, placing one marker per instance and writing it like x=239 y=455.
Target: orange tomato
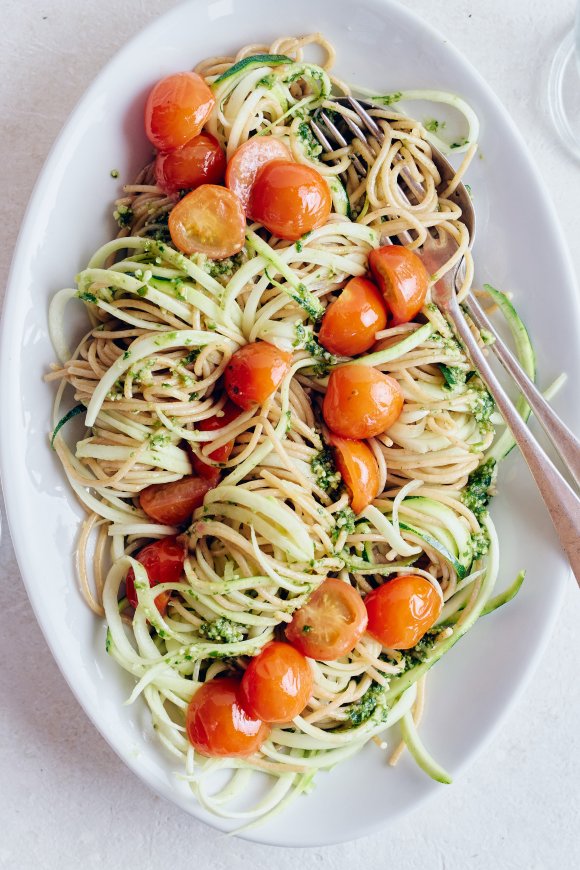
x=217 y=723
x=402 y=279
x=277 y=683
x=229 y=413
x=331 y=622
x=358 y=468
x=209 y=220
x=289 y=199
x=200 y=161
x=402 y=610
x=248 y=160
x=172 y=504
x=177 y=108
x=361 y=402
x=163 y=560
x=255 y=372
x=351 y=322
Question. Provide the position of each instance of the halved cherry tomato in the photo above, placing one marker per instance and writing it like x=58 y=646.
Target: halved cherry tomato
x=402 y=278
x=229 y=413
x=331 y=622
x=217 y=723
x=200 y=161
x=277 y=683
x=351 y=322
x=173 y=503
x=361 y=402
x=359 y=470
x=255 y=372
x=402 y=610
x=163 y=560
x=248 y=159
x=289 y=199
x=177 y=108
x=209 y=220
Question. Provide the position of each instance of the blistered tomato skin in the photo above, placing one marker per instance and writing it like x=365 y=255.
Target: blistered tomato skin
x=177 y=108
x=358 y=468
x=331 y=622
x=289 y=199
x=247 y=161
x=163 y=560
x=217 y=723
x=351 y=322
x=200 y=161
x=361 y=402
x=402 y=610
x=210 y=220
x=402 y=279
x=277 y=683
x=255 y=372
x=228 y=414
x=172 y=504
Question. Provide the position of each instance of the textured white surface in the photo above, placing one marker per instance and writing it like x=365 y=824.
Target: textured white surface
x=66 y=797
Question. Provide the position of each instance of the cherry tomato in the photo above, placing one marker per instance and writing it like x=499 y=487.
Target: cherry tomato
x=351 y=322
x=177 y=108
x=289 y=199
x=163 y=560
x=331 y=622
x=255 y=372
x=402 y=610
x=209 y=220
x=218 y=724
x=200 y=161
x=402 y=279
x=361 y=402
x=277 y=683
x=358 y=468
x=172 y=504
x=229 y=413
x=248 y=159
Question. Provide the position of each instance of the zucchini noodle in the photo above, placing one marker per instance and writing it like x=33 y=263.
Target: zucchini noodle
x=163 y=327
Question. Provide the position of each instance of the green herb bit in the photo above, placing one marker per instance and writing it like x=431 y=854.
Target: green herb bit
x=480 y=488
x=324 y=470
x=362 y=710
x=222 y=630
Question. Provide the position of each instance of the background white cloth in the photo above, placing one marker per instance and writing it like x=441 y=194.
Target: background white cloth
x=67 y=801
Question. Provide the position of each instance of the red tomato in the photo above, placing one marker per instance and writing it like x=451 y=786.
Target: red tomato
x=402 y=610
x=200 y=161
x=289 y=199
x=331 y=622
x=209 y=220
x=248 y=159
x=255 y=372
x=402 y=279
x=351 y=322
x=359 y=470
x=277 y=683
x=361 y=402
x=172 y=504
x=217 y=723
x=163 y=560
x=177 y=108
x=229 y=413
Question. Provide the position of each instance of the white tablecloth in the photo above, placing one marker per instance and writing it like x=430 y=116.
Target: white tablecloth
x=67 y=801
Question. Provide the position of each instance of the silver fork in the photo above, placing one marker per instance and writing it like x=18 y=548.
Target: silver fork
x=562 y=503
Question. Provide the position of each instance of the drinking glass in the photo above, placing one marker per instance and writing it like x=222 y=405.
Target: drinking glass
x=564 y=89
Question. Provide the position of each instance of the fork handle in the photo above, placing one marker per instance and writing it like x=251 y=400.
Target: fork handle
x=561 y=437
x=560 y=499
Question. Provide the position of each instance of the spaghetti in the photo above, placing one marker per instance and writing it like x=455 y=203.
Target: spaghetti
x=163 y=327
